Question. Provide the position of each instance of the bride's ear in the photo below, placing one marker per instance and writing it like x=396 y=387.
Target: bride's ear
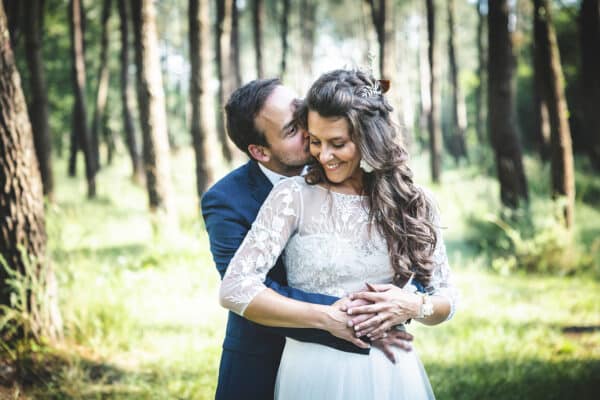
x=259 y=153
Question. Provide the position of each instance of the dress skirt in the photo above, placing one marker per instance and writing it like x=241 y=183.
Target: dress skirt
x=314 y=371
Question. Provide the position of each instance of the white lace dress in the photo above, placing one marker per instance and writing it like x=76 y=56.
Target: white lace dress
x=329 y=249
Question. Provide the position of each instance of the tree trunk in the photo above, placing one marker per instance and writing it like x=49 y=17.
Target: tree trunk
x=308 y=14
x=222 y=42
x=589 y=31
x=128 y=126
x=102 y=89
x=424 y=83
x=235 y=45
x=433 y=123
x=561 y=152
x=80 y=133
x=151 y=100
x=23 y=231
x=481 y=67
x=284 y=37
x=509 y=163
x=38 y=109
x=198 y=31
x=14 y=14
x=540 y=114
x=384 y=33
x=257 y=21
x=459 y=119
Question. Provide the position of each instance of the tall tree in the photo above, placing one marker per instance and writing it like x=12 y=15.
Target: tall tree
x=257 y=22
x=80 y=134
x=505 y=142
x=198 y=35
x=384 y=32
x=128 y=126
x=222 y=44
x=284 y=36
x=589 y=31
x=38 y=108
x=153 y=116
x=561 y=152
x=433 y=121
x=481 y=69
x=459 y=117
x=308 y=16
x=235 y=45
x=23 y=231
x=102 y=88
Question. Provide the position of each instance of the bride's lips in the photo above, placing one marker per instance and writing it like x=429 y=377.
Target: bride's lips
x=333 y=166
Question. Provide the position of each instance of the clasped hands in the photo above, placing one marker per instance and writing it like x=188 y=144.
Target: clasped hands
x=373 y=313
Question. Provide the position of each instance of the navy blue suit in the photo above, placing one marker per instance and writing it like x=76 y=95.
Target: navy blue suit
x=251 y=352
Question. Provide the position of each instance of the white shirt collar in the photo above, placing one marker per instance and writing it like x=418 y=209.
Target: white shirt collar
x=273 y=177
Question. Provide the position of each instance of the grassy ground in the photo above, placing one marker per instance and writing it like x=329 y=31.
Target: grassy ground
x=143 y=321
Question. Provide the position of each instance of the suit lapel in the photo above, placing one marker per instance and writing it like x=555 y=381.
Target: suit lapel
x=260 y=186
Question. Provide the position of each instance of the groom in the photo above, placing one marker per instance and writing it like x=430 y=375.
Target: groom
x=260 y=122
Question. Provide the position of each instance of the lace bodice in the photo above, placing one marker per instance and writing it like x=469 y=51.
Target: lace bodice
x=328 y=247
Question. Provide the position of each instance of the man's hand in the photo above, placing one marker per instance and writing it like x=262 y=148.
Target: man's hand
x=391 y=306
x=337 y=323
x=400 y=339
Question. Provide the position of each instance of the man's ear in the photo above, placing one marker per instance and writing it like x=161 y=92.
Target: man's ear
x=259 y=153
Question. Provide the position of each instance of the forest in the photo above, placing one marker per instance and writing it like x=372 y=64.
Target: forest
x=112 y=128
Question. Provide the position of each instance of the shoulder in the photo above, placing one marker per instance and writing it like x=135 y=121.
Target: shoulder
x=293 y=185
x=233 y=182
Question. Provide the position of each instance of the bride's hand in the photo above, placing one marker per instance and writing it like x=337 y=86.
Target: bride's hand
x=391 y=306
x=337 y=323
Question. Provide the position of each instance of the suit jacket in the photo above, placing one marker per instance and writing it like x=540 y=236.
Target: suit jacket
x=251 y=352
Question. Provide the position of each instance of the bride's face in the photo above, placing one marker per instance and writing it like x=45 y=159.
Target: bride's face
x=331 y=145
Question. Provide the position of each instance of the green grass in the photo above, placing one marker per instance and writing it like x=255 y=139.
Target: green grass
x=142 y=318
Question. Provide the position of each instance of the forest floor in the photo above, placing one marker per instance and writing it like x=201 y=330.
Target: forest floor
x=142 y=319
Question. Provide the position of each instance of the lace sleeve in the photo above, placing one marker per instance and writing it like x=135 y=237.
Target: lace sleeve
x=441 y=283
x=275 y=223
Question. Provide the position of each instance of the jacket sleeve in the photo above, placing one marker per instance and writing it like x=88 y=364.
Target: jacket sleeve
x=226 y=230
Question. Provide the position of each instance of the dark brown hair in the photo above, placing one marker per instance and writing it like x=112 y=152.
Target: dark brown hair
x=400 y=210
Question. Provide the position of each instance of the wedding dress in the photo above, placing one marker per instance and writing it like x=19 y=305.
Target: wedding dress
x=329 y=249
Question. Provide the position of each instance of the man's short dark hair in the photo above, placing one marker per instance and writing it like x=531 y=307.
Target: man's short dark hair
x=241 y=110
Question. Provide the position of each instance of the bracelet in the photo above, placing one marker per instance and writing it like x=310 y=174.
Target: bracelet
x=426 y=308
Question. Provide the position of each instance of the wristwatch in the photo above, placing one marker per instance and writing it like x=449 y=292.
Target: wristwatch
x=426 y=307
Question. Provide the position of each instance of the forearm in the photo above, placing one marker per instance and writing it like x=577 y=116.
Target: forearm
x=271 y=309
x=441 y=311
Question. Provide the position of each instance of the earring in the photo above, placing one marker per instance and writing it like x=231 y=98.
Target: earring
x=365 y=166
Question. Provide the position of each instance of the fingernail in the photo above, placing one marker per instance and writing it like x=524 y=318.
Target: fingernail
x=350 y=311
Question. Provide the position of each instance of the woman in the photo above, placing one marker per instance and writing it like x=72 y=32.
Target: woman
x=356 y=217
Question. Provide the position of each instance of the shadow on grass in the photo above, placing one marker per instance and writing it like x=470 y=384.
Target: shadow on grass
x=521 y=379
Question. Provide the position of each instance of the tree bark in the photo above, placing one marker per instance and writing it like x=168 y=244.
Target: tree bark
x=481 y=67
x=126 y=100
x=257 y=21
x=14 y=14
x=222 y=42
x=80 y=136
x=38 y=109
x=235 y=46
x=561 y=151
x=505 y=142
x=308 y=14
x=22 y=231
x=384 y=32
x=102 y=89
x=433 y=123
x=284 y=37
x=459 y=118
x=589 y=31
x=153 y=116
x=198 y=36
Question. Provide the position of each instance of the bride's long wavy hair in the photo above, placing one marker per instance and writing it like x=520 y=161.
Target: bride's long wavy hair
x=400 y=210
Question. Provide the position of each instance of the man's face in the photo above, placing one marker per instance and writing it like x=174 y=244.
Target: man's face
x=288 y=145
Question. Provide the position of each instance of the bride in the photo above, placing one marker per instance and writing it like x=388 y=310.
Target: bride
x=355 y=218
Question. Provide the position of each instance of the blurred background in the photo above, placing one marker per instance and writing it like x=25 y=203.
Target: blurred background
x=111 y=128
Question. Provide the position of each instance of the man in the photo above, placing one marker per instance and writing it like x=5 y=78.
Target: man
x=260 y=122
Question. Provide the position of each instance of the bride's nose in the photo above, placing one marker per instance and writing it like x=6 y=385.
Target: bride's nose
x=326 y=155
